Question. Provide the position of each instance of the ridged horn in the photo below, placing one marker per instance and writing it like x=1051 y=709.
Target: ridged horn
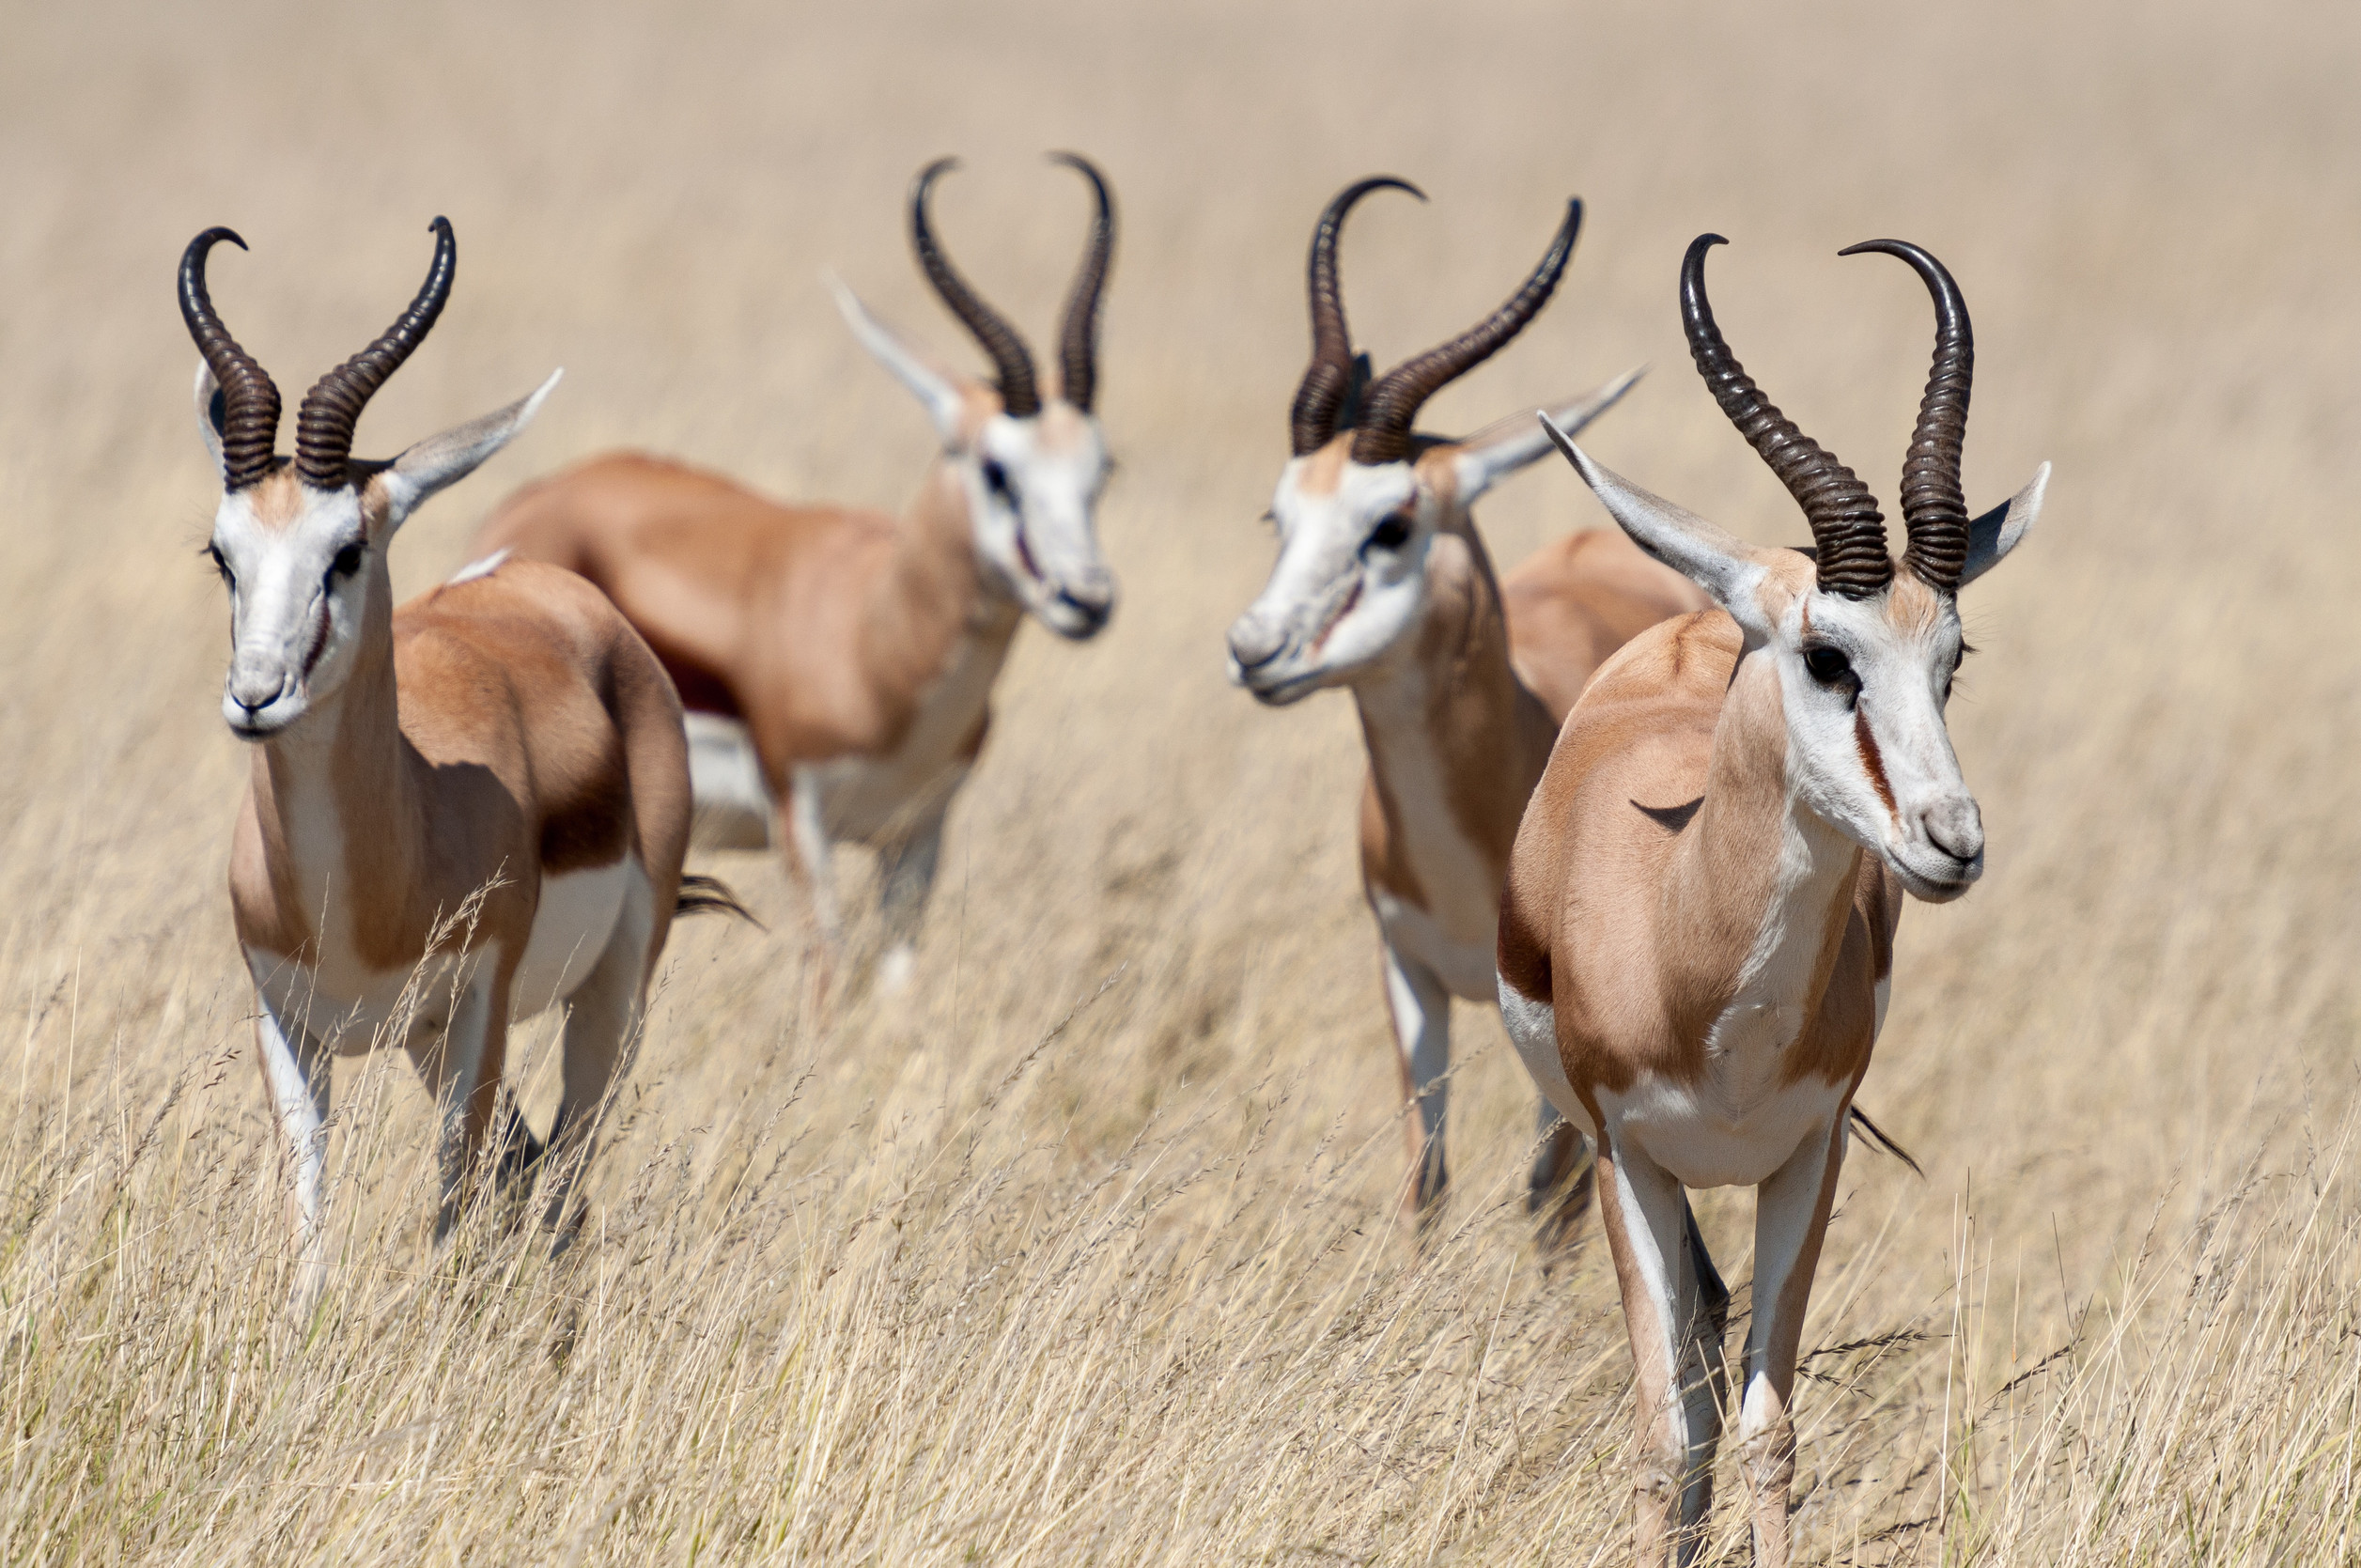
x=1078 y=330
x=1933 y=504
x=250 y=400
x=1846 y=525
x=1311 y=423
x=324 y=422
x=1012 y=363
x=1384 y=436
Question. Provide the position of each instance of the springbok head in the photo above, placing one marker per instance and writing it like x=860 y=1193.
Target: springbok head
x=1362 y=498
x=1865 y=649
x=301 y=545
x=1029 y=455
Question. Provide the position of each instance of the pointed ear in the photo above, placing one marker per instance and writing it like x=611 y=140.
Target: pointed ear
x=440 y=461
x=1492 y=455
x=939 y=391
x=1997 y=532
x=211 y=412
x=1720 y=563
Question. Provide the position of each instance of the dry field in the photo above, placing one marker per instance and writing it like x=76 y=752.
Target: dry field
x=1081 y=1253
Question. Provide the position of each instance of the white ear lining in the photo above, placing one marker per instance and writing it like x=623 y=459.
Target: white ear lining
x=1990 y=536
x=1487 y=458
x=1717 y=562
x=938 y=392
x=442 y=461
x=208 y=389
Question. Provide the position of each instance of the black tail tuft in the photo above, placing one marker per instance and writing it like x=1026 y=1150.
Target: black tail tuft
x=711 y=895
x=1874 y=1136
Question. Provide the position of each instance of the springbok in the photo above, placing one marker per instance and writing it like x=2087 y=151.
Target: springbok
x=1383 y=585
x=837 y=664
x=461 y=812
x=1697 y=931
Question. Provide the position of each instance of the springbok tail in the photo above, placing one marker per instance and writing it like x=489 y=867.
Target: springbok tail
x=711 y=895
x=1874 y=1136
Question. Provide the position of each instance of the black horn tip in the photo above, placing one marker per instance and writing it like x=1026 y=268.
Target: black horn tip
x=1342 y=201
x=1081 y=165
x=1949 y=306
x=213 y=236
x=932 y=172
x=1570 y=230
x=1696 y=313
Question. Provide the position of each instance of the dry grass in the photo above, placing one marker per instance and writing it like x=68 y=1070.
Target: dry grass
x=1081 y=1255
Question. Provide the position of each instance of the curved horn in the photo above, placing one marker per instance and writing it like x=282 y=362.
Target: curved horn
x=1395 y=401
x=1311 y=423
x=1012 y=363
x=250 y=400
x=1933 y=506
x=324 y=422
x=1078 y=332
x=1845 y=523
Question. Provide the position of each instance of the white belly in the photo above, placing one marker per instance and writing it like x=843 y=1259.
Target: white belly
x=1727 y=1130
x=570 y=931
x=357 y=1010
x=1462 y=961
x=733 y=808
x=862 y=800
x=1703 y=1142
x=1532 y=1028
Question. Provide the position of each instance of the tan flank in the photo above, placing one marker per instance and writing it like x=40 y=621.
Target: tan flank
x=1383 y=585
x=462 y=812
x=837 y=663
x=1697 y=940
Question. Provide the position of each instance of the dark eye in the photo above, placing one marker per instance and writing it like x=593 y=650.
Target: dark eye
x=1390 y=532
x=348 y=560
x=996 y=479
x=221 y=564
x=1827 y=664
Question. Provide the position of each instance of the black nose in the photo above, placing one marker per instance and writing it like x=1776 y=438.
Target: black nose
x=1094 y=614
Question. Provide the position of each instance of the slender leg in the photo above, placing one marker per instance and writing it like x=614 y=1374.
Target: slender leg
x=1668 y=1310
x=462 y=1068
x=602 y=1022
x=296 y=1072
x=1421 y=1008
x=1558 y=1189
x=1791 y=1215
x=803 y=833
x=906 y=871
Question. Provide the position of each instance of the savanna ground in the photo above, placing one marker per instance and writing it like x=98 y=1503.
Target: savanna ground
x=1082 y=1251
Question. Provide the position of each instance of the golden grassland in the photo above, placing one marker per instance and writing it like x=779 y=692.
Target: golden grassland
x=1081 y=1250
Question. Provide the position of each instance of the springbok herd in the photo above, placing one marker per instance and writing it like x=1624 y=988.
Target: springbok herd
x=1659 y=792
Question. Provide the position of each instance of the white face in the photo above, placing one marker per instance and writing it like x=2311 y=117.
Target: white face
x=1033 y=493
x=1865 y=683
x=1350 y=581
x=303 y=567
x=300 y=567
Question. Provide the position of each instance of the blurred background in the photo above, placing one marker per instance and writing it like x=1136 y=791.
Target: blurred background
x=2120 y=1061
